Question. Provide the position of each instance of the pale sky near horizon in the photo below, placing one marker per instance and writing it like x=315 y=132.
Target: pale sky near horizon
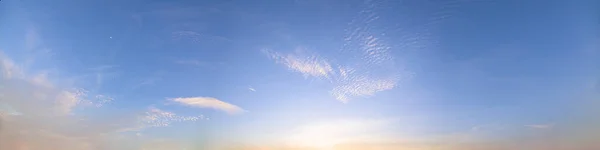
x=296 y=74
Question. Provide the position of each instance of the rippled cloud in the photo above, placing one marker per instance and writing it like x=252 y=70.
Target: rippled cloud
x=309 y=65
x=159 y=118
x=364 y=66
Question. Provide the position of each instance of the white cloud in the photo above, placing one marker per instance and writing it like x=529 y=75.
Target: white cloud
x=191 y=62
x=102 y=68
x=159 y=118
x=351 y=83
x=208 y=102
x=37 y=111
x=365 y=64
x=41 y=80
x=66 y=101
x=101 y=100
x=196 y=37
x=252 y=89
x=540 y=126
x=37 y=115
x=8 y=67
x=311 y=65
x=61 y=100
x=348 y=81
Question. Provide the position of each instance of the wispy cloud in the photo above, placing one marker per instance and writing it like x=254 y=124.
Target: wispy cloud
x=40 y=110
x=159 y=118
x=348 y=81
x=190 y=62
x=8 y=67
x=67 y=100
x=252 y=89
x=308 y=65
x=32 y=38
x=42 y=89
x=350 y=86
x=199 y=63
x=103 y=72
x=208 y=102
x=103 y=68
x=364 y=66
x=196 y=37
x=146 y=82
x=540 y=126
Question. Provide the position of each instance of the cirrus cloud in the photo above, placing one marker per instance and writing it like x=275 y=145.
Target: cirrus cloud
x=208 y=102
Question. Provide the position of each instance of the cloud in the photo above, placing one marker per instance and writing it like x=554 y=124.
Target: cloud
x=208 y=102
x=540 y=126
x=363 y=67
x=66 y=101
x=8 y=68
x=351 y=83
x=38 y=111
x=252 y=89
x=102 y=72
x=196 y=37
x=32 y=39
x=102 y=68
x=146 y=82
x=308 y=65
x=159 y=118
x=39 y=114
x=43 y=92
x=348 y=81
x=198 y=63
x=191 y=62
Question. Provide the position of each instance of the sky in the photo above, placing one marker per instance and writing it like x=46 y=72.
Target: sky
x=299 y=74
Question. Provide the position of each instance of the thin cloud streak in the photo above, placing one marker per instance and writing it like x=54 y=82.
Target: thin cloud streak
x=348 y=82
x=540 y=126
x=366 y=68
x=36 y=113
x=309 y=66
x=9 y=68
x=208 y=102
x=191 y=62
x=159 y=118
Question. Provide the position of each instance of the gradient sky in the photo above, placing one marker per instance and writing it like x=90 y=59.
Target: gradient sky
x=234 y=74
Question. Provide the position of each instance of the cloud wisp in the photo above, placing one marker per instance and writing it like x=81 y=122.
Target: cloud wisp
x=63 y=100
x=308 y=65
x=48 y=116
x=540 y=126
x=252 y=89
x=367 y=66
x=208 y=102
x=348 y=81
x=43 y=116
x=159 y=118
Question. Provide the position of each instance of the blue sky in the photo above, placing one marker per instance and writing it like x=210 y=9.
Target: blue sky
x=294 y=73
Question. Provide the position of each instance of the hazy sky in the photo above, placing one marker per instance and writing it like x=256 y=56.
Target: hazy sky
x=298 y=74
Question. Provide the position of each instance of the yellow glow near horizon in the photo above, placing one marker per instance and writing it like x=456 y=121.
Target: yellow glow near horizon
x=325 y=135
